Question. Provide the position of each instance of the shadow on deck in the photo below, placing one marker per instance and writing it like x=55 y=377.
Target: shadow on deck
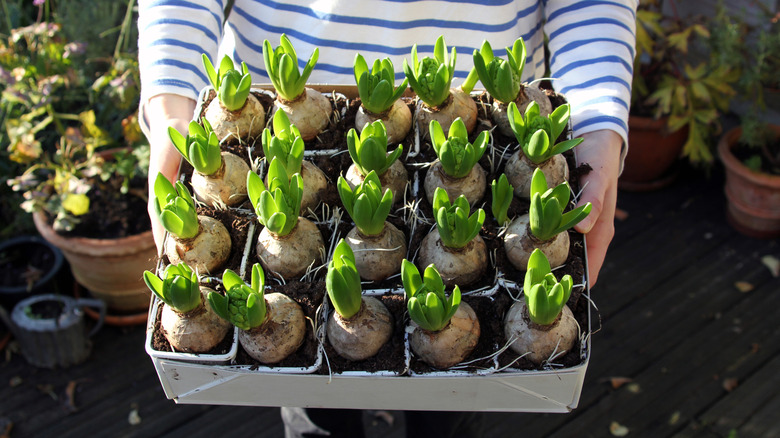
x=696 y=356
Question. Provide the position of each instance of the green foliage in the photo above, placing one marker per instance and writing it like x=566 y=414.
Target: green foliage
x=428 y=305
x=366 y=205
x=282 y=67
x=343 y=281
x=61 y=101
x=242 y=305
x=175 y=208
x=200 y=148
x=537 y=134
x=369 y=149
x=375 y=86
x=503 y=193
x=278 y=206
x=431 y=78
x=545 y=214
x=501 y=78
x=456 y=227
x=667 y=82
x=456 y=154
x=545 y=296
x=232 y=86
x=285 y=145
x=178 y=288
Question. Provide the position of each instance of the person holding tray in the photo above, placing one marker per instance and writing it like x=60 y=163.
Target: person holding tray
x=591 y=50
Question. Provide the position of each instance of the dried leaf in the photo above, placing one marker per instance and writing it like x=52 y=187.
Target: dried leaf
x=5 y=427
x=730 y=384
x=617 y=429
x=754 y=347
x=134 y=418
x=674 y=418
x=772 y=263
x=633 y=388
x=385 y=416
x=15 y=381
x=70 y=393
x=47 y=389
x=744 y=286
x=621 y=214
x=617 y=382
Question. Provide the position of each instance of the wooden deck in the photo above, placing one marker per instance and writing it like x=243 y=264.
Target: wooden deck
x=698 y=358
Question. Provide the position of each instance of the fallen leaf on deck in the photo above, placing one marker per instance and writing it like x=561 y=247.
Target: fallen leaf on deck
x=134 y=418
x=754 y=347
x=617 y=382
x=674 y=418
x=621 y=214
x=5 y=427
x=772 y=263
x=385 y=416
x=617 y=429
x=47 y=389
x=15 y=381
x=730 y=384
x=633 y=388
x=70 y=393
x=744 y=286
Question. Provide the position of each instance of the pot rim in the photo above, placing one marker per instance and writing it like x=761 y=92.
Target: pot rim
x=99 y=247
x=732 y=164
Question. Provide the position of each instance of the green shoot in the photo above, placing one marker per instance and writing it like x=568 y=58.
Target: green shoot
x=282 y=67
x=369 y=149
x=456 y=227
x=232 y=86
x=343 y=281
x=545 y=214
x=278 y=206
x=366 y=205
x=178 y=288
x=175 y=208
x=545 y=296
x=242 y=305
x=375 y=86
x=200 y=148
x=427 y=303
x=501 y=78
x=503 y=193
x=431 y=78
x=286 y=143
x=456 y=154
x=537 y=134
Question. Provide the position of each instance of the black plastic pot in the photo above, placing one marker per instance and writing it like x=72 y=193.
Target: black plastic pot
x=29 y=265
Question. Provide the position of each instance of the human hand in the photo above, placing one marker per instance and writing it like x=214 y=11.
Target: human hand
x=601 y=150
x=163 y=111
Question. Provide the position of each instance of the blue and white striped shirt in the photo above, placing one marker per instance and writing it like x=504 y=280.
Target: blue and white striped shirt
x=591 y=42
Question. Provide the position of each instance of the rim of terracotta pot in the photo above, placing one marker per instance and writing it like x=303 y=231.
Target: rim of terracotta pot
x=96 y=247
x=729 y=140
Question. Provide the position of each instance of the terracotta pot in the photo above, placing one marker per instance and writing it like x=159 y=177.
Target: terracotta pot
x=111 y=269
x=753 y=197
x=652 y=151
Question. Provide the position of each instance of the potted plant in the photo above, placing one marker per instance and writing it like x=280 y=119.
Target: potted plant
x=675 y=101
x=63 y=129
x=750 y=153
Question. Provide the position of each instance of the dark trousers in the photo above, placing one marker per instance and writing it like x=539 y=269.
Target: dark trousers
x=348 y=423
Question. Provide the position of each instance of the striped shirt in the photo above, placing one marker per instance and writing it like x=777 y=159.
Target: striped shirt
x=591 y=42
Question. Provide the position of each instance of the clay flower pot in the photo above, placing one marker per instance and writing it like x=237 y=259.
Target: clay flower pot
x=652 y=152
x=753 y=197
x=111 y=269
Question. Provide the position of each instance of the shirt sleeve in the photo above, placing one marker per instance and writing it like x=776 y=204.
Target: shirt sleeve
x=591 y=60
x=172 y=36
